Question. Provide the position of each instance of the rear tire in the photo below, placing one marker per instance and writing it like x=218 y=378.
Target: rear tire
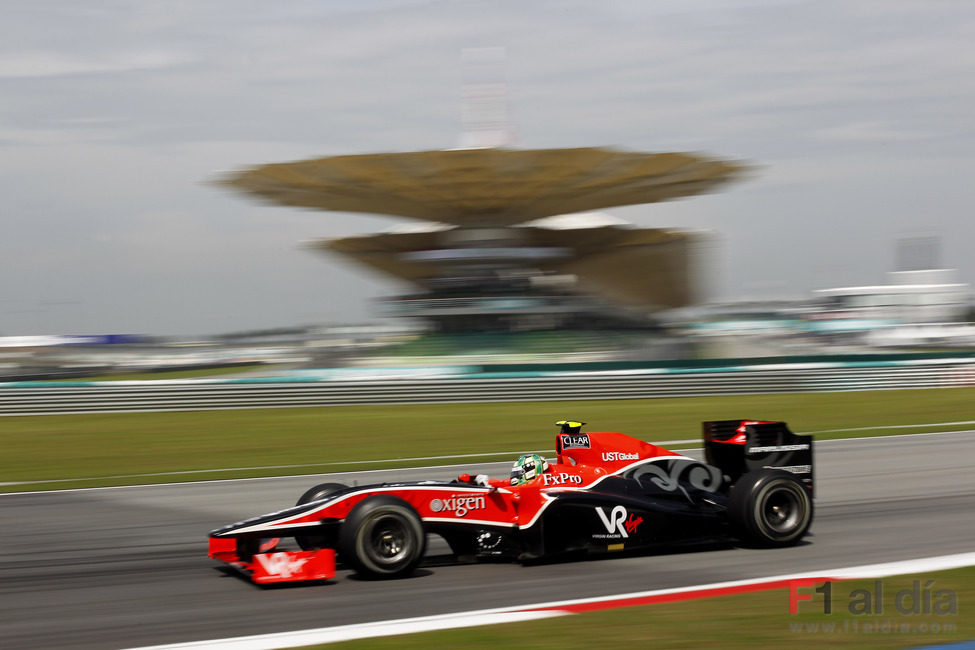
x=770 y=508
x=313 y=542
x=383 y=537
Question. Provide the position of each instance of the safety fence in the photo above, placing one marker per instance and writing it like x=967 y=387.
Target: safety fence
x=35 y=398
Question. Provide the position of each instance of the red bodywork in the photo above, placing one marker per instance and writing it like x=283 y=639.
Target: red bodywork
x=582 y=461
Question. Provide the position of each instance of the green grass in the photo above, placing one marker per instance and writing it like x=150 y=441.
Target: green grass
x=745 y=622
x=97 y=450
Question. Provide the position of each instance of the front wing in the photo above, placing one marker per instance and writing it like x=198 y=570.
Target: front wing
x=268 y=566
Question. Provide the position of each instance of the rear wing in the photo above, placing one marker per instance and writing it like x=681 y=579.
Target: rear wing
x=740 y=446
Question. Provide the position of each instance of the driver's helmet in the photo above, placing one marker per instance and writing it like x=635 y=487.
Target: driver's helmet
x=527 y=467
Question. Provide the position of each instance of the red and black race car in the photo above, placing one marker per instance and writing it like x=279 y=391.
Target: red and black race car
x=605 y=492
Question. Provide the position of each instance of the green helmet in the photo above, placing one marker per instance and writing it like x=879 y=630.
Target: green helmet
x=527 y=467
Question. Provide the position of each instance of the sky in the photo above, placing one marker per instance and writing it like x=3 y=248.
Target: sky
x=858 y=119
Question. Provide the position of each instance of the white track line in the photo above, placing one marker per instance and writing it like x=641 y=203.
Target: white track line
x=662 y=443
x=509 y=454
x=376 y=471
x=896 y=426
x=545 y=610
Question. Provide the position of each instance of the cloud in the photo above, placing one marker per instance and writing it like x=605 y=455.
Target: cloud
x=872 y=131
x=40 y=64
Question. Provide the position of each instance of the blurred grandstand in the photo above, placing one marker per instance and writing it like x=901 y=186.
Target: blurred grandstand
x=507 y=240
x=503 y=248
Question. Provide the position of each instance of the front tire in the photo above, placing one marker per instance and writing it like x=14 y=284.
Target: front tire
x=770 y=508
x=383 y=537
x=314 y=542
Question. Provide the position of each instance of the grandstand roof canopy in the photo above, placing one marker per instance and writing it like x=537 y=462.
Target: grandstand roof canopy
x=468 y=187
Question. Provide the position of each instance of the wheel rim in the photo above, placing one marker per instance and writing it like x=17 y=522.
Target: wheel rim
x=388 y=540
x=782 y=511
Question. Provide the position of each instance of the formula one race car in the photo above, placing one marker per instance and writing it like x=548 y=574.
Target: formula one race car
x=606 y=492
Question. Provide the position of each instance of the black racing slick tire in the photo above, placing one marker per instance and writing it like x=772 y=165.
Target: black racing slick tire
x=770 y=508
x=383 y=537
x=320 y=492
x=313 y=542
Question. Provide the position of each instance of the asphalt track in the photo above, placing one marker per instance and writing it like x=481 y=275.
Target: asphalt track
x=115 y=568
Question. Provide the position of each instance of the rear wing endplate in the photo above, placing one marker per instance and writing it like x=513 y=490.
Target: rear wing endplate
x=740 y=446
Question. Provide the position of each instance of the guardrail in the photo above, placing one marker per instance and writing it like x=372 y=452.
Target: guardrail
x=37 y=398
